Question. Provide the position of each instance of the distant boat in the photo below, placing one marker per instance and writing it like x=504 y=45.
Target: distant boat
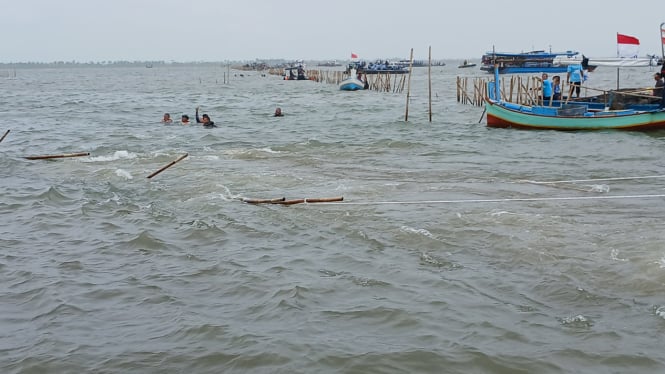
x=329 y=63
x=466 y=64
x=352 y=83
x=378 y=67
x=148 y=65
x=532 y=62
x=295 y=73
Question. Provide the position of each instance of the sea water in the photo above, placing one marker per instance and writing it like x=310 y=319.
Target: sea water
x=446 y=255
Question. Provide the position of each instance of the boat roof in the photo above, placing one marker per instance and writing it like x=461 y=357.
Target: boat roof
x=531 y=54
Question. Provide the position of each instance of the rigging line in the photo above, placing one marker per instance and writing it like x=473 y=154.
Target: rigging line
x=593 y=180
x=525 y=199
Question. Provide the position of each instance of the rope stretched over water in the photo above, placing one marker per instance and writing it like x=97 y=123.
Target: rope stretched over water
x=593 y=180
x=474 y=201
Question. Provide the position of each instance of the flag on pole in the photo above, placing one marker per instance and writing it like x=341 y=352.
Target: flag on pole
x=627 y=46
x=353 y=55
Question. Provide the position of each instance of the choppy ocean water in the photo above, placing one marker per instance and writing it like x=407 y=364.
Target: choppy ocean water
x=445 y=255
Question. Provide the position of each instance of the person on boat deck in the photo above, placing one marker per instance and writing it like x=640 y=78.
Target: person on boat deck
x=574 y=76
x=658 y=87
x=167 y=118
x=556 y=87
x=278 y=112
x=204 y=120
x=184 y=120
x=547 y=87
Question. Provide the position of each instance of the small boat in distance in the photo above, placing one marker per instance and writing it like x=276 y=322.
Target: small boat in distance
x=378 y=67
x=532 y=62
x=466 y=64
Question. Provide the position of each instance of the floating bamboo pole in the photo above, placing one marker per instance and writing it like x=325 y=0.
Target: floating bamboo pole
x=167 y=166
x=263 y=201
x=58 y=156
x=283 y=201
x=3 y=137
x=324 y=199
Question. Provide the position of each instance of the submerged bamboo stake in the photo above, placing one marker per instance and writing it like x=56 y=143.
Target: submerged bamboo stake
x=168 y=166
x=3 y=137
x=57 y=156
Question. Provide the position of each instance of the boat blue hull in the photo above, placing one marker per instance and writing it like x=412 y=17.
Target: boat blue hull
x=351 y=85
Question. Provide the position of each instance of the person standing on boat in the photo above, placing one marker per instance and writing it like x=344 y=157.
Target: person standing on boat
x=658 y=87
x=574 y=77
x=547 y=87
x=204 y=120
x=556 y=87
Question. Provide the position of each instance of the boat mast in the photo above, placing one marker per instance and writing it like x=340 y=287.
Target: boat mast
x=662 y=41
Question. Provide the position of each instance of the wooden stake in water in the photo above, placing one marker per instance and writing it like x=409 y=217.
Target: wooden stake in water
x=408 y=88
x=429 y=79
x=3 y=137
x=168 y=166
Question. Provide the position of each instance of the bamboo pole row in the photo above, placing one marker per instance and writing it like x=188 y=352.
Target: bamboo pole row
x=528 y=91
x=381 y=82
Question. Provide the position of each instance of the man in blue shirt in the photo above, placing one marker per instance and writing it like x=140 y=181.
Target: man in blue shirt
x=574 y=77
x=547 y=88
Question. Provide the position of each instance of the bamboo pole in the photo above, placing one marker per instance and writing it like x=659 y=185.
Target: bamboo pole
x=58 y=156
x=289 y=202
x=167 y=166
x=3 y=137
x=408 y=90
x=262 y=201
x=429 y=79
x=324 y=199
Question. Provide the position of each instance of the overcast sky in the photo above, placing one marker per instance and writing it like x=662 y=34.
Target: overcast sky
x=219 y=30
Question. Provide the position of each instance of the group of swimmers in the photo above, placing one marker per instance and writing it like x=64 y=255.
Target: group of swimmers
x=204 y=119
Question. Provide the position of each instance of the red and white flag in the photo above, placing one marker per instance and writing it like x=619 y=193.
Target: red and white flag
x=353 y=55
x=627 y=46
x=662 y=32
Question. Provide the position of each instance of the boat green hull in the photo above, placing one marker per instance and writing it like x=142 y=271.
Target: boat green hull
x=523 y=117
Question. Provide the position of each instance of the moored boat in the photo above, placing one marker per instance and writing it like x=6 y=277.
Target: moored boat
x=351 y=84
x=570 y=116
x=525 y=62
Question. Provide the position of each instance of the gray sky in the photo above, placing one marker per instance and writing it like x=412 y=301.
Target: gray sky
x=218 y=30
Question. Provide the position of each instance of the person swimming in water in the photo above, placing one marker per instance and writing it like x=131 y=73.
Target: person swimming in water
x=184 y=120
x=204 y=120
x=167 y=118
x=278 y=112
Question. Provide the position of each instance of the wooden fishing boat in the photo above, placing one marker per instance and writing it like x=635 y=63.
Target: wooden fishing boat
x=570 y=116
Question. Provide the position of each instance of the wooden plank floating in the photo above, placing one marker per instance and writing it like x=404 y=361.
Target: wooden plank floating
x=262 y=201
x=3 y=137
x=168 y=166
x=283 y=201
x=58 y=156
